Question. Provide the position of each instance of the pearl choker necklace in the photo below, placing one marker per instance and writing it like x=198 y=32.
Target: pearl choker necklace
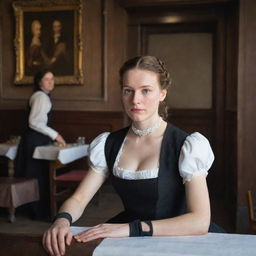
x=148 y=130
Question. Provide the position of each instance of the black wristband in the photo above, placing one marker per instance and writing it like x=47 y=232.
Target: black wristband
x=64 y=215
x=136 y=228
x=150 y=232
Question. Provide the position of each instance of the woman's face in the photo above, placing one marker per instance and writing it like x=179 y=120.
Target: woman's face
x=36 y=29
x=47 y=82
x=142 y=94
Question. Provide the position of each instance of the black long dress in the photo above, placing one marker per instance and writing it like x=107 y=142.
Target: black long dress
x=27 y=166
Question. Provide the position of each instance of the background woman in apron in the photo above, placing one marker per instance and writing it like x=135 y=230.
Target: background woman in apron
x=38 y=133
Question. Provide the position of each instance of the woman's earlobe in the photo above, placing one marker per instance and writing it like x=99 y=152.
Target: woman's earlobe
x=163 y=95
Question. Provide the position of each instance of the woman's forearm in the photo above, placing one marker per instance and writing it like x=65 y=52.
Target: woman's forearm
x=186 y=224
x=74 y=207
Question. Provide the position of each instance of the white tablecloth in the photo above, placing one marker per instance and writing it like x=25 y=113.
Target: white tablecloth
x=212 y=244
x=64 y=155
x=8 y=150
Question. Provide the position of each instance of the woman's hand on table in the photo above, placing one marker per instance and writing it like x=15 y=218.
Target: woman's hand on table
x=103 y=231
x=61 y=141
x=57 y=237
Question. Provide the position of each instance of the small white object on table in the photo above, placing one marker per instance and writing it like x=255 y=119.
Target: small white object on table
x=211 y=244
x=8 y=150
x=65 y=155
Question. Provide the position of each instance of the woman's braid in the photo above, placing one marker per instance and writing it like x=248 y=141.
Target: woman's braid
x=165 y=82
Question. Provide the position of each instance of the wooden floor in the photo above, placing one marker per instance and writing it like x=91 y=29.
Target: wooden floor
x=108 y=206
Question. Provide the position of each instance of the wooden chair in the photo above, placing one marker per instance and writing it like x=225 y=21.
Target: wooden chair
x=251 y=209
x=61 y=186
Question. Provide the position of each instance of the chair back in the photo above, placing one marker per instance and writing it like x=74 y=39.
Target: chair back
x=251 y=211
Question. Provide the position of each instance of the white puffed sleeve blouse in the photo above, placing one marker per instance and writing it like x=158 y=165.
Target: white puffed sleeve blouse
x=96 y=154
x=196 y=158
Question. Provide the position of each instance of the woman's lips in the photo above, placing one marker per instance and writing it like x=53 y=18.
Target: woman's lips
x=136 y=110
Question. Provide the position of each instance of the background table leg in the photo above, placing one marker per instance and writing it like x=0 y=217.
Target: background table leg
x=10 y=168
x=11 y=214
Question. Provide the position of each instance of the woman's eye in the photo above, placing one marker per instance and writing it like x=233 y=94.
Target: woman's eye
x=127 y=91
x=145 y=91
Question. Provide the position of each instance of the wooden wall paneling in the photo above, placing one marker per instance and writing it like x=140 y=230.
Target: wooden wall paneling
x=194 y=120
x=89 y=124
x=219 y=84
x=133 y=47
x=12 y=123
x=246 y=139
x=230 y=164
x=146 y=3
x=232 y=58
x=230 y=115
x=117 y=40
x=70 y=124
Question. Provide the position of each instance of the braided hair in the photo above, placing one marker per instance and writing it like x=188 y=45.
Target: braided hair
x=155 y=65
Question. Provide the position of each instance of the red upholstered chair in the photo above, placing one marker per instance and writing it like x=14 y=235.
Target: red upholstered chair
x=73 y=176
x=61 y=186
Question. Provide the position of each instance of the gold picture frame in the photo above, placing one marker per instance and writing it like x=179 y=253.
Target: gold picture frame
x=49 y=36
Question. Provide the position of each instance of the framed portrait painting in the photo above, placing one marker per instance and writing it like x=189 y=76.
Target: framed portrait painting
x=48 y=36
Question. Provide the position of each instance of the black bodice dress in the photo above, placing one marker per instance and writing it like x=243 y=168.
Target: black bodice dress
x=154 y=198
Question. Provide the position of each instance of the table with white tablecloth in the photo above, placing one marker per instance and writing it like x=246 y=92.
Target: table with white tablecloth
x=8 y=150
x=64 y=155
x=50 y=152
x=15 y=191
x=211 y=244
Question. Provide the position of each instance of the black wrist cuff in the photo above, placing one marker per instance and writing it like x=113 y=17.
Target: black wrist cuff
x=136 y=228
x=150 y=232
x=64 y=215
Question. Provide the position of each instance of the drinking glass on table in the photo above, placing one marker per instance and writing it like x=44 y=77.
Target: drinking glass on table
x=80 y=140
